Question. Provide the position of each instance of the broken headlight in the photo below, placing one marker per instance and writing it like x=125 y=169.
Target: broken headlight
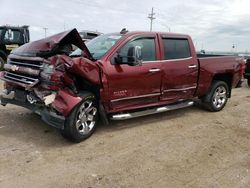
x=48 y=69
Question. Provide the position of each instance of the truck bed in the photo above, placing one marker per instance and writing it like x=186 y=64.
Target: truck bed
x=228 y=66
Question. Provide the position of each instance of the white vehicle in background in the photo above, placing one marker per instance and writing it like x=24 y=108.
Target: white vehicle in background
x=88 y=35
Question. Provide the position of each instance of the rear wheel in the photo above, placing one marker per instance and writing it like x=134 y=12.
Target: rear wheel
x=248 y=81
x=217 y=97
x=82 y=121
x=1 y=63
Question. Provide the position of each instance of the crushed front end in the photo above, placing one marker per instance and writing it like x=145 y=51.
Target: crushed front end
x=41 y=85
x=43 y=77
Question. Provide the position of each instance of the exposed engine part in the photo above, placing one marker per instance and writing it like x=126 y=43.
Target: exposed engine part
x=41 y=93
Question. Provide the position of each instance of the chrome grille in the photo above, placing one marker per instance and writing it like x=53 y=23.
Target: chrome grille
x=26 y=63
x=20 y=78
x=23 y=76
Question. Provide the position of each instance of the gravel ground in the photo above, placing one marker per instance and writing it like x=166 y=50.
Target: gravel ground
x=183 y=148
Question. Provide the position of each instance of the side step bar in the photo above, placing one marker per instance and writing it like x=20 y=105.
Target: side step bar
x=151 y=111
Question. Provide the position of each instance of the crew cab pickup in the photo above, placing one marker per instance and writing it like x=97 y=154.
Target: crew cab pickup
x=114 y=77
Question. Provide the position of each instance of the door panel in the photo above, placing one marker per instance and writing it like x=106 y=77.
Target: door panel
x=179 y=81
x=133 y=87
x=180 y=71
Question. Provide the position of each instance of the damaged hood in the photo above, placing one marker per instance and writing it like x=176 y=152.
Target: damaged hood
x=50 y=46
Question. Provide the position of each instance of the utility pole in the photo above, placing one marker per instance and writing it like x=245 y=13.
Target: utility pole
x=234 y=48
x=151 y=17
x=45 y=31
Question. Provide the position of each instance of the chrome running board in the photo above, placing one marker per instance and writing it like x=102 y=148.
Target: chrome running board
x=123 y=116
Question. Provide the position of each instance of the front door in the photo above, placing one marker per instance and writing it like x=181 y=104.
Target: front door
x=132 y=87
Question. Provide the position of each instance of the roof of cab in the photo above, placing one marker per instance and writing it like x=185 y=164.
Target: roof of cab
x=168 y=34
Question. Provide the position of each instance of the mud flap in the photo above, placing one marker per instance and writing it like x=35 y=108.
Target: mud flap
x=103 y=114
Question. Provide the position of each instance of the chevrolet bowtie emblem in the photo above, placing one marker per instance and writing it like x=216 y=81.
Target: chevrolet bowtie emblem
x=14 y=68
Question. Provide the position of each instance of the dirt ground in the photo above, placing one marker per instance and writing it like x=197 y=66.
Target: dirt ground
x=183 y=148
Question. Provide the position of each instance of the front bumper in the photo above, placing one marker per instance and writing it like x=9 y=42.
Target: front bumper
x=46 y=114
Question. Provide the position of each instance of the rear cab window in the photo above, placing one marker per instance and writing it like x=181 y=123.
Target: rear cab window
x=176 y=48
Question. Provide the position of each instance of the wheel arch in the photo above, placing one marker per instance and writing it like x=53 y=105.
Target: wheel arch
x=227 y=78
x=69 y=131
x=96 y=92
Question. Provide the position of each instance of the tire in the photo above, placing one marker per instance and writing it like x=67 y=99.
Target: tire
x=1 y=63
x=217 y=97
x=81 y=122
x=248 y=81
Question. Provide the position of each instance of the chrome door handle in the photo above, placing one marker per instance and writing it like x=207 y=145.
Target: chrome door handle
x=192 y=66
x=154 y=70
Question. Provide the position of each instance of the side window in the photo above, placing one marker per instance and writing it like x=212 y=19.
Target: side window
x=176 y=48
x=147 y=48
x=12 y=36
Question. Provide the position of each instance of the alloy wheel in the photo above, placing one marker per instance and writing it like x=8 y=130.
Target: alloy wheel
x=85 y=121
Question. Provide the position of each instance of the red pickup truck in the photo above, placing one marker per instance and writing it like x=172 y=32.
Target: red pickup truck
x=114 y=77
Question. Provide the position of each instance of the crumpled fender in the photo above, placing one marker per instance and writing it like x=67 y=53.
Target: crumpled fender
x=82 y=67
x=87 y=69
x=65 y=102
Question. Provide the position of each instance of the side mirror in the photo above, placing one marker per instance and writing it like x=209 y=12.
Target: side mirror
x=134 y=56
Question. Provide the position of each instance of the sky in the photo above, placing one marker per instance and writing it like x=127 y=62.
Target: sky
x=214 y=25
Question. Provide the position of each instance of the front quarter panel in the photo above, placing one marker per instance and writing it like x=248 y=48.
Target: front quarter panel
x=87 y=69
x=65 y=102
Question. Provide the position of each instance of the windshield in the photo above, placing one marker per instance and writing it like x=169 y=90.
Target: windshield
x=99 y=46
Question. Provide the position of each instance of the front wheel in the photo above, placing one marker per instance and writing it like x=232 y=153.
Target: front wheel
x=82 y=121
x=217 y=97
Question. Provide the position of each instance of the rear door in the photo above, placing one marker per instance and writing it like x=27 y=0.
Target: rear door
x=180 y=69
x=133 y=87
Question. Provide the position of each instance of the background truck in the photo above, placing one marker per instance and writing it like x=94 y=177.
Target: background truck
x=114 y=77
x=11 y=37
x=87 y=35
x=247 y=71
